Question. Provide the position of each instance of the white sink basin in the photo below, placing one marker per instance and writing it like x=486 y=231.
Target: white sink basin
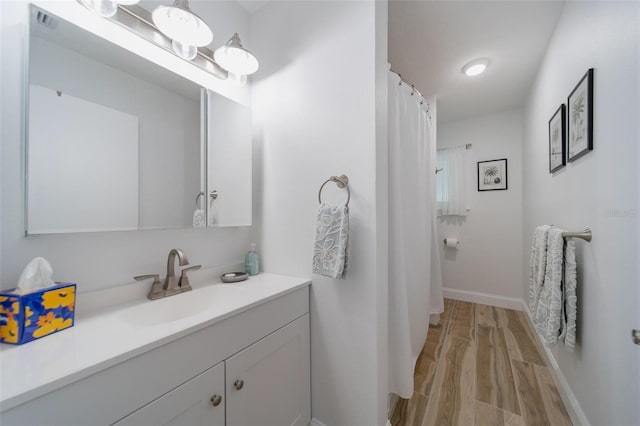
x=180 y=306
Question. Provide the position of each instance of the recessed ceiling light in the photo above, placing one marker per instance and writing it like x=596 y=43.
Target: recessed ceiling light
x=475 y=67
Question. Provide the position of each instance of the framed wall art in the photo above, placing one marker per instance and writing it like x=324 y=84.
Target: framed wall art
x=580 y=118
x=492 y=175
x=557 y=127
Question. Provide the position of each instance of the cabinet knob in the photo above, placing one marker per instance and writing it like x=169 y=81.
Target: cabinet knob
x=238 y=384
x=216 y=400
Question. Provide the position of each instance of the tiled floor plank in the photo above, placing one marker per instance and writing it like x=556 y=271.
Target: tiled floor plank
x=410 y=412
x=519 y=339
x=488 y=415
x=533 y=409
x=553 y=404
x=451 y=399
x=494 y=379
x=427 y=361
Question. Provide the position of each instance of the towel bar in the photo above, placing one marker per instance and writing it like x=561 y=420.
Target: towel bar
x=342 y=181
x=583 y=235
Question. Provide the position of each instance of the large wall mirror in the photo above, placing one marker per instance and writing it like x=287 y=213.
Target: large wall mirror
x=115 y=142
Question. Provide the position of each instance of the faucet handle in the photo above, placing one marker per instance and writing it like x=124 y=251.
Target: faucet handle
x=155 y=277
x=156 y=291
x=184 y=278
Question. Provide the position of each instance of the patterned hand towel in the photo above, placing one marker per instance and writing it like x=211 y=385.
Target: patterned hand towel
x=570 y=307
x=547 y=316
x=332 y=236
x=198 y=219
x=537 y=265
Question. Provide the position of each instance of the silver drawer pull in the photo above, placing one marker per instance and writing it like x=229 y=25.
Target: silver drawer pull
x=216 y=400
x=635 y=336
x=238 y=384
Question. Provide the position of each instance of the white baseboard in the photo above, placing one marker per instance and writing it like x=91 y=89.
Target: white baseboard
x=568 y=397
x=483 y=298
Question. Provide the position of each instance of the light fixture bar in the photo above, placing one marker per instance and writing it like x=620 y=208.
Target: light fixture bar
x=138 y=20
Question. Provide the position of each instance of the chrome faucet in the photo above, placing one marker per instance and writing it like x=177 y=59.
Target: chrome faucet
x=172 y=285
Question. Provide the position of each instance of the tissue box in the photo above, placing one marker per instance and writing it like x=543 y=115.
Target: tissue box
x=28 y=316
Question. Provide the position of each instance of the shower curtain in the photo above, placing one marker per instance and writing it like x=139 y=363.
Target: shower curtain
x=415 y=282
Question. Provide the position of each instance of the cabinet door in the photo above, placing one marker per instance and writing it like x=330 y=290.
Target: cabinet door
x=190 y=404
x=268 y=383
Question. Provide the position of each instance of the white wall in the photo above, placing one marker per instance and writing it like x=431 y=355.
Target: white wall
x=92 y=260
x=315 y=111
x=599 y=191
x=489 y=257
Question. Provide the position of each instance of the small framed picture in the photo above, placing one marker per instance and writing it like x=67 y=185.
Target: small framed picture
x=492 y=175
x=580 y=118
x=557 y=126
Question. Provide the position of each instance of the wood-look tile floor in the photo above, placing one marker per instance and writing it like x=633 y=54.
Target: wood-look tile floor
x=481 y=366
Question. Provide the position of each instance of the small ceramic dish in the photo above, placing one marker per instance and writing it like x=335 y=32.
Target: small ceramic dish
x=234 y=277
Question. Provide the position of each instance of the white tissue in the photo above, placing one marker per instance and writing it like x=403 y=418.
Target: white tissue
x=37 y=274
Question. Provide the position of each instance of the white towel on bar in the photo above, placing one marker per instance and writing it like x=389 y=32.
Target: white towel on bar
x=537 y=265
x=570 y=306
x=332 y=237
x=548 y=314
x=198 y=219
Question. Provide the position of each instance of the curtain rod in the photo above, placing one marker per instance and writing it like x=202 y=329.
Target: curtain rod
x=413 y=88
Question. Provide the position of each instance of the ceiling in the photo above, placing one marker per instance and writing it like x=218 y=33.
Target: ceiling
x=430 y=42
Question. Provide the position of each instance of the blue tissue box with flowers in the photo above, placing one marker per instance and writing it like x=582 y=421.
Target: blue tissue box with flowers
x=26 y=316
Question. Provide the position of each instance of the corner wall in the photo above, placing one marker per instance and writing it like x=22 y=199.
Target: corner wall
x=314 y=101
x=487 y=265
x=598 y=191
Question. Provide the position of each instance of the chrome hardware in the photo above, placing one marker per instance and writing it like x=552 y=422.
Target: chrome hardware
x=635 y=336
x=216 y=400
x=171 y=284
x=213 y=194
x=156 y=288
x=342 y=181
x=238 y=384
x=583 y=235
x=184 y=279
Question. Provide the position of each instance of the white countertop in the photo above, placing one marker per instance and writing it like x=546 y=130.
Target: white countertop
x=100 y=341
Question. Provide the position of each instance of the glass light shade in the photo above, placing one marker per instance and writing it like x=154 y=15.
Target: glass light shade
x=185 y=51
x=104 y=8
x=238 y=79
x=235 y=58
x=179 y=23
x=475 y=67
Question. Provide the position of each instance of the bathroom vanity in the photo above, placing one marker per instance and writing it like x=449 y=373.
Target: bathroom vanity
x=222 y=354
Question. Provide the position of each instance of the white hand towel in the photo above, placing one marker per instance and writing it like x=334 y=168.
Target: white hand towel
x=537 y=265
x=548 y=314
x=198 y=219
x=332 y=236
x=570 y=297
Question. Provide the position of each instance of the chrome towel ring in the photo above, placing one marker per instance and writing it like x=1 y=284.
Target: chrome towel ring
x=342 y=181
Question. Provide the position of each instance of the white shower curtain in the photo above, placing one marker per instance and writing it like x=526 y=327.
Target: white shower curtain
x=415 y=283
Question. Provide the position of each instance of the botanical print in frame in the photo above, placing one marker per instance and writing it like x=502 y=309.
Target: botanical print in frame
x=557 y=128
x=492 y=175
x=580 y=118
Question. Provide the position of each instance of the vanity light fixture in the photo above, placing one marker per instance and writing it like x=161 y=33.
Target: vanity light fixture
x=235 y=58
x=186 y=30
x=475 y=67
x=106 y=8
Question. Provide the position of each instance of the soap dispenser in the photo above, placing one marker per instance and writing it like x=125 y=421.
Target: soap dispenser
x=251 y=261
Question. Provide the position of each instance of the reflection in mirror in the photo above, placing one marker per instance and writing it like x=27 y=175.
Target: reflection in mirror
x=228 y=162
